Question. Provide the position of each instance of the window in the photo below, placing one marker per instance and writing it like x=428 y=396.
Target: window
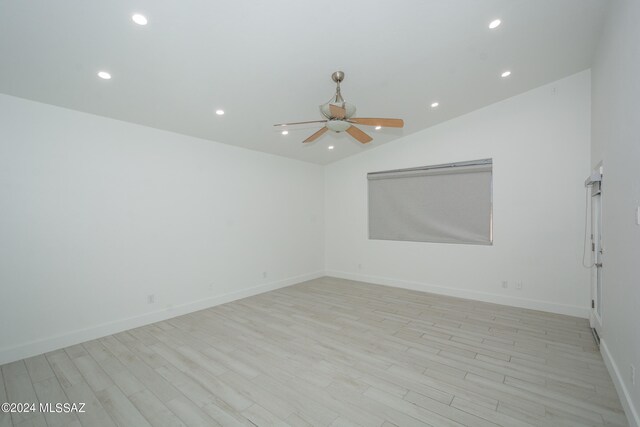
x=449 y=203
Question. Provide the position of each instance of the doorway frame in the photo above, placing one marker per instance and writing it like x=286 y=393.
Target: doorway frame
x=597 y=248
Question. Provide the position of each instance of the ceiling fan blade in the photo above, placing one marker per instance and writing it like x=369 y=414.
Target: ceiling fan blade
x=315 y=135
x=337 y=112
x=359 y=135
x=300 y=123
x=385 y=123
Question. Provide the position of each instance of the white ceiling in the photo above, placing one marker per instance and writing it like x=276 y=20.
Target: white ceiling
x=267 y=62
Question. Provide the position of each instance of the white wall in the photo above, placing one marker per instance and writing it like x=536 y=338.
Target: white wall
x=616 y=142
x=96 y=214
x=539 y=142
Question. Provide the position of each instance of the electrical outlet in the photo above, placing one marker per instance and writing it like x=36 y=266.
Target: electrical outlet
x=151 y=298
x=518 y=285
x=505 y=284
x=633 y=374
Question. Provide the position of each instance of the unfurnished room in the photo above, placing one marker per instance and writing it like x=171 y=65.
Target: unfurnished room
x=292 y=213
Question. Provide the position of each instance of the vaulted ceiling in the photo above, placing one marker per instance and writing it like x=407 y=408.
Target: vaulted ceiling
x=266 y=62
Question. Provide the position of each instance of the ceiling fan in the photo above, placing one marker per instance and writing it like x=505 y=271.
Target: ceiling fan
x=339 y=117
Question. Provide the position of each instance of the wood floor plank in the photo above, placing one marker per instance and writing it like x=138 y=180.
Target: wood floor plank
x=272 y=403
x=411 y=408
x=64 y=369
x=295 y=420
x=93 y=374
x=490 y=415
x=19 y=389
x=154 y=410
x=191 y=414
x=189 y=388
x=204 y=378
x=94 y=413
x=262 y=417
x=226 y=416
x=143 y=372
x=37 y=420
x=5 y=417
x=330 y=352
x=385 y=412
x=39 y=368
x=117 y=372
x=50 y=391
x=122 y=411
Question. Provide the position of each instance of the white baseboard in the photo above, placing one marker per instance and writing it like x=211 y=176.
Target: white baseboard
x=469 y=294
x=34 y=348
x=625 y=398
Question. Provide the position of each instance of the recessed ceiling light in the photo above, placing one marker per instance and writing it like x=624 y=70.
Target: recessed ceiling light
x=104 y=75
x=139 y=19
x=435 y=104
x=330 y=147
x=506 y=74
x=495 y=23
x=220 y=112
x=285 y=132
x=378 y=127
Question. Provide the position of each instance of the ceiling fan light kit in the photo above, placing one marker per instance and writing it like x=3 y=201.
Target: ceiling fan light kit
x=339 y=117
x=338 y=125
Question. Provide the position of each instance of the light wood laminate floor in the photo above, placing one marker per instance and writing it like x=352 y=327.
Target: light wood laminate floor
x=329 y=352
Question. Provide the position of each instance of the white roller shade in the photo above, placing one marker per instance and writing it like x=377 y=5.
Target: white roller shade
x=443 y=203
